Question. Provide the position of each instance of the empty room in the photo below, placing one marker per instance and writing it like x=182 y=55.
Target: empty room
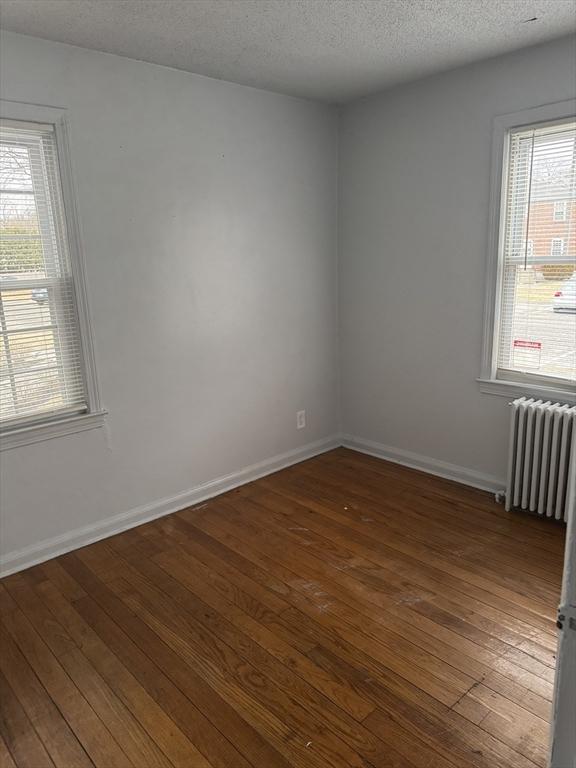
x=287 y=383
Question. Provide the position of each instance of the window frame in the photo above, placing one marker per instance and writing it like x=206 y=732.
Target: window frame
x=561 y=250
x=516 y=384
x=50 y=426
x=560 y=211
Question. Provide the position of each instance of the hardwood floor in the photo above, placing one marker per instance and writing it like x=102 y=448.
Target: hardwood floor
x=344 y=612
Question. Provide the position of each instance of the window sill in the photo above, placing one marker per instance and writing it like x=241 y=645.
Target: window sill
x=36 y=433
x=513 y=389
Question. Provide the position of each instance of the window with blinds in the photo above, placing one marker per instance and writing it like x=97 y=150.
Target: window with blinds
x=536 y=325
x=41 y=371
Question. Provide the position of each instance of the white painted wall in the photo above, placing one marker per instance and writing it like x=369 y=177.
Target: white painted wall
x=414 y=201
x=212 y=274
x=208 y=213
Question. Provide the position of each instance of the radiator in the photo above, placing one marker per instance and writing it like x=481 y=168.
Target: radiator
x=542 y=454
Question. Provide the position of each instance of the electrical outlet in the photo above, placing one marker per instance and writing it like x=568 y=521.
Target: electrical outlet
x=300 y=419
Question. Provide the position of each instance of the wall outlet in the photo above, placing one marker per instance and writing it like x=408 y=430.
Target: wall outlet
x=300 y=419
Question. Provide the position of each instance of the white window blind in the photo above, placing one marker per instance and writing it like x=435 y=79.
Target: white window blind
x=536 y=328
x=41 y=371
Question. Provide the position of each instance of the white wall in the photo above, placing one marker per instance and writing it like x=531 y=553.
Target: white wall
x=212 y=275
x=208 y=213
x=414 y=200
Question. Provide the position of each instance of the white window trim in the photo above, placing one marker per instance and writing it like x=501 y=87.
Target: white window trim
x=487 y=381
x=47 y=428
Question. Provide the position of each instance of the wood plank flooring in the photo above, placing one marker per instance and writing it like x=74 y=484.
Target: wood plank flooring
x=343 y=613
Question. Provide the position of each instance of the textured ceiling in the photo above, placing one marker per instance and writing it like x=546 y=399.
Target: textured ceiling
x=333 y=50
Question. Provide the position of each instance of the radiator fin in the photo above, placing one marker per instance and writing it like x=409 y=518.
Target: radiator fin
x=542 y=454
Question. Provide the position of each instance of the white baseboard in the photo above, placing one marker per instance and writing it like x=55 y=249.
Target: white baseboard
x=425 y=464
x=49 y=548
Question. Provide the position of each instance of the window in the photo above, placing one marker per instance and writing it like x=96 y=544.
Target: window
x=560 y=210
x=45 y=378
x=530 y=344
x=557 y=246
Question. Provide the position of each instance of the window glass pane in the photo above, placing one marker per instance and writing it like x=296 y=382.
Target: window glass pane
x=537 y=331
x=34 y=392
x=26 y=307
x=21 y=253
x=40 y=356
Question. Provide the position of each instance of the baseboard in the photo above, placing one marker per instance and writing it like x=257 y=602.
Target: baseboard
x=426 y=464
x=18 y=560
x=49 y=548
